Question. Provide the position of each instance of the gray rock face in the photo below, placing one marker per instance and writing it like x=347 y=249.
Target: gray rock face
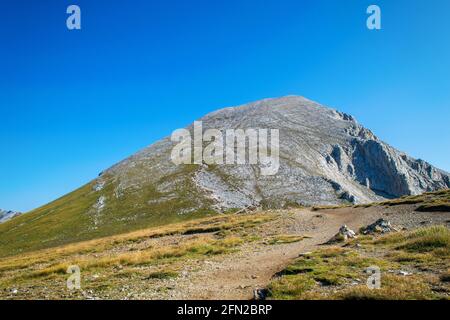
x=6 y=215
x=326 y=157
x=379 y=226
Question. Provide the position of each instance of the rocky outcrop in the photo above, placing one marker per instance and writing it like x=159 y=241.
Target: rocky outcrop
x=379 y=226
x=344 y=234
x=6 y=215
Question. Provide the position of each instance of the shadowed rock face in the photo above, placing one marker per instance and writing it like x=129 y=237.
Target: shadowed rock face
x=326 y=157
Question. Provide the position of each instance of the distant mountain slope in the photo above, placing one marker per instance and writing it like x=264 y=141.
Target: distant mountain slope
x=326 y=157
x=6 y=215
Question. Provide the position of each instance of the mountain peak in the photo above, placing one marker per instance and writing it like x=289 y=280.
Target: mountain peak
x=325 y=158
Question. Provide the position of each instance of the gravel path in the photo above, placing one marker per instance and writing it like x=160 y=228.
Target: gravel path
x=236 y=275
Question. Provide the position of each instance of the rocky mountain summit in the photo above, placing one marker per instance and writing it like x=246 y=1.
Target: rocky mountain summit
x=325 y=158
x=6 y=215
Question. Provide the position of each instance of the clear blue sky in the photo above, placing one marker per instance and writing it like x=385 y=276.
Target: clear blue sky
x=72 y=103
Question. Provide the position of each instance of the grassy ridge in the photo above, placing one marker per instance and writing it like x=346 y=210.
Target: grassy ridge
x=76 y=217
x=150 y=254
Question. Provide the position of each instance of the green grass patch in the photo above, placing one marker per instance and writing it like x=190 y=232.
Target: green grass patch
x=290 y=287
x=327 y=267
x=434 y=207
x=284 y=238
x=429 y=239
x=393 y=287
x=163 y=275
x=340 y=268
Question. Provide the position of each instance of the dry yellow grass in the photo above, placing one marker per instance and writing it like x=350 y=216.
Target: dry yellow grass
x=393 y=287
x=199 y=238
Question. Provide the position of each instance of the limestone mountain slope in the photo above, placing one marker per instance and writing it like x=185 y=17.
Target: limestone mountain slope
x=326 y=157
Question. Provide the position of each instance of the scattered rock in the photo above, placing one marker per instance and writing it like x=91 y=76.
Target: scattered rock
x=260 y=294
x=99 y=185
x=379 y=226
x=400 y=272
x=344 y=234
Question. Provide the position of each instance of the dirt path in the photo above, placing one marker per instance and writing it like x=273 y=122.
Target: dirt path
x=235 y=276
x=217 y=276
